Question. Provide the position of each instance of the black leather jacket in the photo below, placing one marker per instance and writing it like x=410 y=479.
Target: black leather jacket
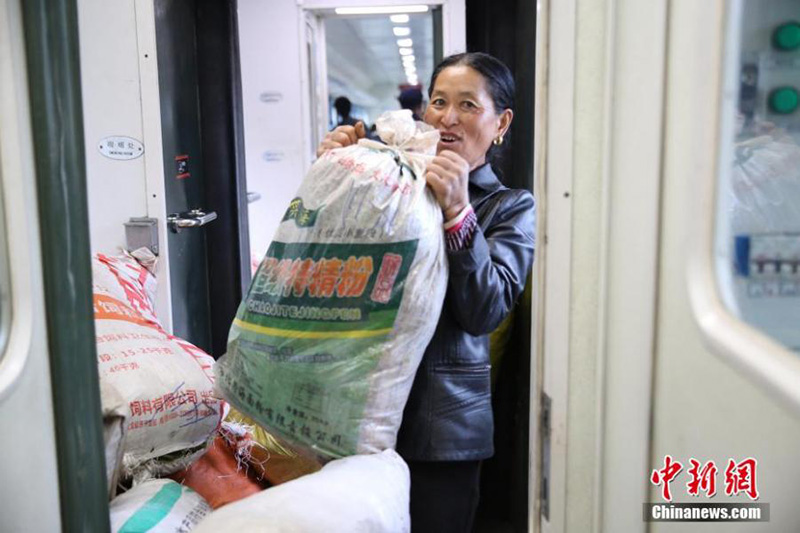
x=449 y=412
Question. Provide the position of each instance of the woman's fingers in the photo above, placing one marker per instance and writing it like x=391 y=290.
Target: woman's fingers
x=447 y=175
x=343 y=136
x=339 y=138
x=454 y=162
x=360 y=130
x=326 y=145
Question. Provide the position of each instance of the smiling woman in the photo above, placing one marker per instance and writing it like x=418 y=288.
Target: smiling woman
x=448 y=423
x=471 y=110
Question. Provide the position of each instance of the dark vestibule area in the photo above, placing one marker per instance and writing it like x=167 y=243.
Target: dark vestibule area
x=507 y=30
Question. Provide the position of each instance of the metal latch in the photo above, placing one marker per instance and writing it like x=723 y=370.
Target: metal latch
x=189 y=219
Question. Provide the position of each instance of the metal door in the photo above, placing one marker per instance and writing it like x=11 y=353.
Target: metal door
x=24 y=379
x=183 y=165
x=49 y=393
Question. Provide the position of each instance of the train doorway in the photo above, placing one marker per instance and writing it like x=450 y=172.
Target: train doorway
x=510 y=484
x=205 y=193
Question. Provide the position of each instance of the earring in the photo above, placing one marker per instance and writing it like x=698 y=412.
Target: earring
x=498 y=140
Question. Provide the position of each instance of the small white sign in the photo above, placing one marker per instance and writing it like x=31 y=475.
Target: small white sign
x=121 y=148
x=272 y=97
x=272 y=156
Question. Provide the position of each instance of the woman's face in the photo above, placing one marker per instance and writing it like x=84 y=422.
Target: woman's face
x=461 y=108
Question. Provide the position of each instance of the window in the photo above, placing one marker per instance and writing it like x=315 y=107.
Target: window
x=757 y=240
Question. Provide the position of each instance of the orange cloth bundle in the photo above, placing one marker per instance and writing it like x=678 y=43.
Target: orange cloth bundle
x=219 y=476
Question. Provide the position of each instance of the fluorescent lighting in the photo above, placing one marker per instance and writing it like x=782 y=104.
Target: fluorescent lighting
x=406 y=51
x=405 y=42
x=408 y=60
x=380 y=10
x=402 y=31
x=399 y=19
x=411 y=70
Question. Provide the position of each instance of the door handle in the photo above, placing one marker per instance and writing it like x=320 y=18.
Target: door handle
x=189 y=219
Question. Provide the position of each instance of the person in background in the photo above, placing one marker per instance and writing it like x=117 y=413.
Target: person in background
x=448 y=425
x=343 y=107
x=411 y=98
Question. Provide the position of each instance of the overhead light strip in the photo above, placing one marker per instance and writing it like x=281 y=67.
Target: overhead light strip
x=384 y=10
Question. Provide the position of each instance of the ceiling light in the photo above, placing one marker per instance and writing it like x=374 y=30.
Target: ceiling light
x=408 y=60
x=402 y=31
x=399 y=19
x=411 y=70
x=406 y=51
x=385 y=10
x=405 y=42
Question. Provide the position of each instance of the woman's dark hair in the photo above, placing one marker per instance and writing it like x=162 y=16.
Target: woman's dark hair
x=498 y=79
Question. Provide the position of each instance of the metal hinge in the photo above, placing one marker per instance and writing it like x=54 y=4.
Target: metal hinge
x=141 y=232
x=545 y=432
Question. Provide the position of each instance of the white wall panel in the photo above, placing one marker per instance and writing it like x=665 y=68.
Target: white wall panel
x=111 y=106
x=269 y=35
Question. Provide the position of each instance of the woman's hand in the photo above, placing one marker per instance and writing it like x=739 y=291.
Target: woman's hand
x=448 y=176
x=342 y=136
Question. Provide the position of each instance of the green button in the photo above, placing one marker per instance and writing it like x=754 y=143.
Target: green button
x=784 y=100
x=787 y=36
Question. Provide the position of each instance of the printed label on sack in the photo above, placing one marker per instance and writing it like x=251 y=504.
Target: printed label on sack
x=304 y=218
x=308 y=335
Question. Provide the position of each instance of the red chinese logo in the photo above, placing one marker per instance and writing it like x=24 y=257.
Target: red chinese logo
x=741 y=477
x=665 y=476
x=703 y=478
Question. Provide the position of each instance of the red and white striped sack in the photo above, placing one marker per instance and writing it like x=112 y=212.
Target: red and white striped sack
x=161 y=385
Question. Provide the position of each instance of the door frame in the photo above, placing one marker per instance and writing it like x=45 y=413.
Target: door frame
x=623 y=113
x=51 y=34
x=228 y=258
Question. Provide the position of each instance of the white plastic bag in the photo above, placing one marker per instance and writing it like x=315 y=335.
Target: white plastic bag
x=324 y=347
x=765 y=185
x=360 y=494
x=158 y=505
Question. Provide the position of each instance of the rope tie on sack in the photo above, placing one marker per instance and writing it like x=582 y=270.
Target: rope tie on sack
x=414 y=162
x=412 y=144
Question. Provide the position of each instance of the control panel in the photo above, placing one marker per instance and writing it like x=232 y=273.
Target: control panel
x=758 y=228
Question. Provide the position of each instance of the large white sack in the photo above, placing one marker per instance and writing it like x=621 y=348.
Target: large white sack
x=158 y=506
x=162 y=386
x=359 y=494
x=324 y=347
